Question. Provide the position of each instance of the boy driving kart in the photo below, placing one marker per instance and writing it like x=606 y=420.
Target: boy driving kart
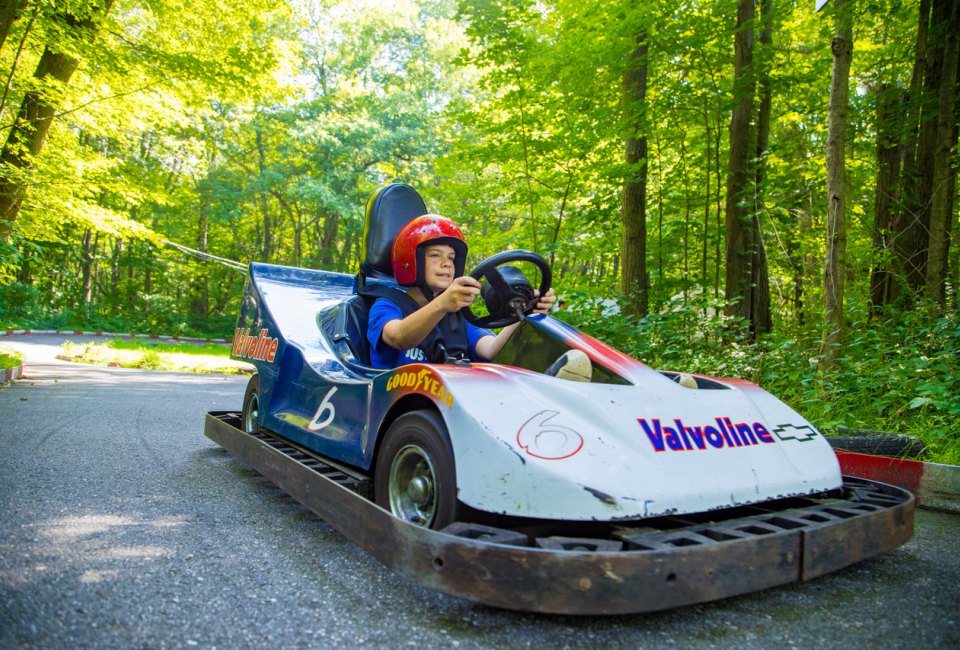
x=425 y=323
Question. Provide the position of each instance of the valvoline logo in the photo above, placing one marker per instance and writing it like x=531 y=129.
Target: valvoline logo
x=725 y=434
x=257 y=348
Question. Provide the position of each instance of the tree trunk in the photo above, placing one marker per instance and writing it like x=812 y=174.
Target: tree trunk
x=262 y=199
x=835 y=263
x=95 y=270
x=660 y=186
x=16 y=61
x=913 y=230
x=706 y=197
x=37 y=110
x=808 y=265
x=86 y=268
x=558 y=222
x=916 y=88
x=760 y=313
x=24 y=275
x=941 y=202
x=9 y=13
x=633 y=247
x=298 y=227
x=883 y=282
x=350 y=257
x=115 y=269
x=718 y=203
x=200 y=305
x=799 y=263
x=740 y=221
x=687 y=202
x=953 y=272
x=331 y=225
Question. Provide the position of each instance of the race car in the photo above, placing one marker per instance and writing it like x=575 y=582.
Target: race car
x=502 y=441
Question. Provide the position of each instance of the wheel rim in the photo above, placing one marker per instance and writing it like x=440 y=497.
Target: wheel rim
x=253 y=409
x=412 y=486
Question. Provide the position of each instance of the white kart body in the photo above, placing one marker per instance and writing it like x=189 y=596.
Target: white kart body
x=530 y=445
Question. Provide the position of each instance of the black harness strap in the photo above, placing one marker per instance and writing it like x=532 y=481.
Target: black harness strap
x=447 y=342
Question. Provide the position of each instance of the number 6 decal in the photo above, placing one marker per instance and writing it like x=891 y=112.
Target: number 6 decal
x=542 y=437
x=326 y=406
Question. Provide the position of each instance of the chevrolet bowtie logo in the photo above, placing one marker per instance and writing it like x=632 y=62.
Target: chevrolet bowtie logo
x=793 y=432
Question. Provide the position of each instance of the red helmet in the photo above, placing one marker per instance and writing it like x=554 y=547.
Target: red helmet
x=408 y=247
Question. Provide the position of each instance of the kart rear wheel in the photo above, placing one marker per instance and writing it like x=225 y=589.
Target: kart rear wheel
x=251 y=406
x=415 y=478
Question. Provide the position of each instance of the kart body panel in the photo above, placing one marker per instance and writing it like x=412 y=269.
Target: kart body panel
x=527 y=444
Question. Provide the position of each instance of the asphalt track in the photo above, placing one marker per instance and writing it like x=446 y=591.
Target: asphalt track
x=122 y=526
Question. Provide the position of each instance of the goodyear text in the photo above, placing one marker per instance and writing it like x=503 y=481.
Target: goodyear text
x=421 y=381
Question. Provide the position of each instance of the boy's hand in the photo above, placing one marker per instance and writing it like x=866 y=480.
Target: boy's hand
x=545 y=303
x=461 y=293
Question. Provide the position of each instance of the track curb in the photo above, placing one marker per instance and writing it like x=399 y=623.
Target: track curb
x=935 y=486
x=9 y=374
x=160 y=337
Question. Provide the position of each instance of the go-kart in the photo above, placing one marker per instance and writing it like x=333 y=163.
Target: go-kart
x=503 y=484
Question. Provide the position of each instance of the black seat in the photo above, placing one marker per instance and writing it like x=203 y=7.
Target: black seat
x=351 y=326
x=389 y=209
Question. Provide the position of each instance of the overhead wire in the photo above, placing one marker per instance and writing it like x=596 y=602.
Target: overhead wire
x=207 y=257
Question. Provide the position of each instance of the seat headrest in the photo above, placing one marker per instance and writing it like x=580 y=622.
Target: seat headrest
x=389 y=209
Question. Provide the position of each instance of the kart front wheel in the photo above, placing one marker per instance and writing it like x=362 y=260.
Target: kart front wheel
x=251 y=405
x=415 y=478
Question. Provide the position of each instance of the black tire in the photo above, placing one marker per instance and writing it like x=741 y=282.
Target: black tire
x=250 y=416
x=877 y=443
x=415 y=476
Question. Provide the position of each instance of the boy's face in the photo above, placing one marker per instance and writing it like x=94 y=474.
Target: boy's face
x=439 y=269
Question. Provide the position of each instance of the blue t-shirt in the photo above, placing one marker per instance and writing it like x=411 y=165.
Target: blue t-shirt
x=384 y=356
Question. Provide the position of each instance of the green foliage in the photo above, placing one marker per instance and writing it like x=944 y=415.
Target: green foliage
x=19 y=303
x=538 y=158
x=255 y=131
x=151 y=361
x=10 y=359
x=22 y=306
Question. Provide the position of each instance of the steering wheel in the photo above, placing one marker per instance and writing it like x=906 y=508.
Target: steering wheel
x=508 y=294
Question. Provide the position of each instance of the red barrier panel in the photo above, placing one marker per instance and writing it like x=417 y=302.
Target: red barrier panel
x=935 y=486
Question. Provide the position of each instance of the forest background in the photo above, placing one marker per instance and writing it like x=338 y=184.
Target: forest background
x=753 y=189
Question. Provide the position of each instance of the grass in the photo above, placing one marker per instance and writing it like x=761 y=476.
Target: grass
x=156 y=355
x=205 y=349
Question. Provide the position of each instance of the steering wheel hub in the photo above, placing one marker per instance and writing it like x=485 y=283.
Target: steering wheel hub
x=507 y=293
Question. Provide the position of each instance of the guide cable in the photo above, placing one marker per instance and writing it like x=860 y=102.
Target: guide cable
x=207 y=257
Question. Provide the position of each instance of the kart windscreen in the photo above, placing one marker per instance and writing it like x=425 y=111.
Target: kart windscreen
x=533 y=348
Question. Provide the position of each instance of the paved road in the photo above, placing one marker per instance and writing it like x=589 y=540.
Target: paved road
x=122 y=526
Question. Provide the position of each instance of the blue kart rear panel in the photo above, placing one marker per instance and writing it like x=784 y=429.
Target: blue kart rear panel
x=277 y=331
